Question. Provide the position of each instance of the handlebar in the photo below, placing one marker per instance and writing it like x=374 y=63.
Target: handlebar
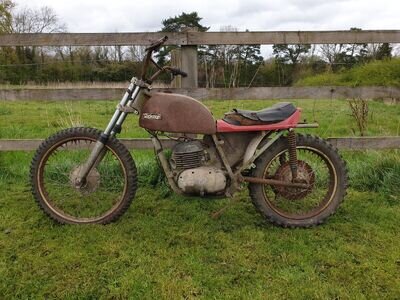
x=176 y=71
x=154 y=47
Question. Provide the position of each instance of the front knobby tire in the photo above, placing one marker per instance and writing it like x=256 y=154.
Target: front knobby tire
x=319 y=165
x=110 y=187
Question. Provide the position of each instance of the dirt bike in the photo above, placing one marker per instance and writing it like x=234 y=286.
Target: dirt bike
x=84 y=175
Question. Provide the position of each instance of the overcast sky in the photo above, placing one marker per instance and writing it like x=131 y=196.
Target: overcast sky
x=146 y=15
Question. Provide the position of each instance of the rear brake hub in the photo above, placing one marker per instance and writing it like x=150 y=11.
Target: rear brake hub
x=305 y=175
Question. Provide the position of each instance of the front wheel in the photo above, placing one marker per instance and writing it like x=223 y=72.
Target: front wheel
x=318 y=165
x=109 y=187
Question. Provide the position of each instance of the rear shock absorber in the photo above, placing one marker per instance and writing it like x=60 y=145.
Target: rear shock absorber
x=292 y=153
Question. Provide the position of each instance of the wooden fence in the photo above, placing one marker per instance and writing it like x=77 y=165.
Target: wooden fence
x=189 y=41
x=255 y=93
x=190 y=38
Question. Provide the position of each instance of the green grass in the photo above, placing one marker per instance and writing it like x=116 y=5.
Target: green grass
x=168 y=247
x=35 y=119
x=380 y=73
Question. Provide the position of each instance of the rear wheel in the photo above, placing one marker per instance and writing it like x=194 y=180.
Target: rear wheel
x=109 y=188
x=318 y=165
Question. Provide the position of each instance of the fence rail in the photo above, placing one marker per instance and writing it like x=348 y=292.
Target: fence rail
x=253 y=93
x=345 y=143
x=201 y=38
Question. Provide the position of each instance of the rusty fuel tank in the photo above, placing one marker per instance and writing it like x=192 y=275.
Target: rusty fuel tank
x=176 y=113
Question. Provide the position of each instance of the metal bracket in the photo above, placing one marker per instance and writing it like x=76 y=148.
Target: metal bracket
x=307 y=125
x=140 y=83
x=127 y=109
x=258 y=152
x=252 y=147
x=235 y=185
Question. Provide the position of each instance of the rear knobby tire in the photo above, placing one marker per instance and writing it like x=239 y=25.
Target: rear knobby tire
x=54 y=144
x=337 y=191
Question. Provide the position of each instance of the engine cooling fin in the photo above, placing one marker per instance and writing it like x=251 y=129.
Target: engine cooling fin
x=187 y=155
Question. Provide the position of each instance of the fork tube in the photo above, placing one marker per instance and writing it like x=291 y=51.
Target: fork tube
x=118 y=124
x=118 y=113
x=97 y=153
x=123 y=115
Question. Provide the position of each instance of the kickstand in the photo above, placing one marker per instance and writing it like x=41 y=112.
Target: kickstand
x=218 y=213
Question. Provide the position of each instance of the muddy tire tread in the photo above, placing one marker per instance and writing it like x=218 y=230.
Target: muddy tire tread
x=113 y=143
x=319 y=143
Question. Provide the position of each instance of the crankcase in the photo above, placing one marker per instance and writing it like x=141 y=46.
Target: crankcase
x=202 y=180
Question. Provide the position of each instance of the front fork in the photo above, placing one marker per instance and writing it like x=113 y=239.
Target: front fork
x=113 y=127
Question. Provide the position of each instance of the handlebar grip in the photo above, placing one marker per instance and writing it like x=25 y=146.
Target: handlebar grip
x=157 y=44
x=176 y=71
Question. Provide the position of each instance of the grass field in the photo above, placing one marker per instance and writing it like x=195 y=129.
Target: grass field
x=35 y=119
x=374 y=73
x=168 y=246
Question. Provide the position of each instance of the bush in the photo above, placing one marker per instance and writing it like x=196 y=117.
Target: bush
x=380 y=73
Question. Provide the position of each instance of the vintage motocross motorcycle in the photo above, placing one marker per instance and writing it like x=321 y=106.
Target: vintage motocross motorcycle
x=83 y=175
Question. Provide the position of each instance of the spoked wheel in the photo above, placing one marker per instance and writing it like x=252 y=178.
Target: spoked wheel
x=107 y=191
x=319 y=167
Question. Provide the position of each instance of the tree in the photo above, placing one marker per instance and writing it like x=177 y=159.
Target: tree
x=40 y=20
x=231 y=64
x=6 y=7
x=178 y=24
x=136 y=53
x=7 y=54
x=290 y=53
x=330 y=53
x=352 y=54
x=287 y=58
x=341 y=56
x=25 y=20
x=384 y=51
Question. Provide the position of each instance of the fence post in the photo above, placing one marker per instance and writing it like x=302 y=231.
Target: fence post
x=176 y=62
x=185 y=58
x=189 y=63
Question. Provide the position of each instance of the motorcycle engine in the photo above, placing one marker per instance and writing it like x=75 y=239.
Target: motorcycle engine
x=190 y=161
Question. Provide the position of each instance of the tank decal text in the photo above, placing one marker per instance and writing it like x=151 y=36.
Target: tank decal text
x=151 y=116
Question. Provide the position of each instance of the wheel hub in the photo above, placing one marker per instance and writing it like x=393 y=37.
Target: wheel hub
x=89 y=185
x=305 y=174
